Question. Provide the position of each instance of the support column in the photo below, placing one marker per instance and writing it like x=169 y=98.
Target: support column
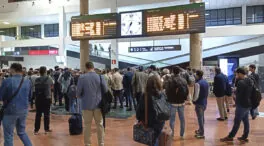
x=196 y=59
x=244 y=14
x=18 y=33
x=114 y=43
x=42 y=31
x=84 y=44
x=62 y=34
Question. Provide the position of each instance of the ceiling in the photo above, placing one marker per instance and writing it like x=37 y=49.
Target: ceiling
x=54 y=18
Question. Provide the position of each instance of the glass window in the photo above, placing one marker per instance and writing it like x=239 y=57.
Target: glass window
x=8 y=32
x=221 y=17
x=230 y=16
x=237 y=15
x=250 y=15
x=31 y=31
x=213 y=17
x=259 y=14
x=51 y=30
x=208 y=18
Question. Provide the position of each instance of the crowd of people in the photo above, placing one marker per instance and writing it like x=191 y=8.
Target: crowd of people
x=42 y=88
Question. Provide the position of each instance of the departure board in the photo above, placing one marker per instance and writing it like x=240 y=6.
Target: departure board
x=174 y=20
x=100 y=26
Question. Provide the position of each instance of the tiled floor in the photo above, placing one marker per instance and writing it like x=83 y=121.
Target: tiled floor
x=119 y=131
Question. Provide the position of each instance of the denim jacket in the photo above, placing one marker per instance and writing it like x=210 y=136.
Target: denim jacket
x=19 y=104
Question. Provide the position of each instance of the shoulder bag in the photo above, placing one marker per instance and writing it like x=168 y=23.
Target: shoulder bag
x=141 y=133
x=162 y=108
x=8 y=100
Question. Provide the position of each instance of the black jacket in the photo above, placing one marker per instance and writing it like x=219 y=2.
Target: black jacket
x=220 y=85
x=177 y=90
x=243 y=92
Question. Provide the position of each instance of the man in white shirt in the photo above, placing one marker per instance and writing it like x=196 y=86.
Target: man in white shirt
x=117 y=86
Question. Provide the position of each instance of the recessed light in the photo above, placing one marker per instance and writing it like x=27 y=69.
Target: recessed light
x=6 y=23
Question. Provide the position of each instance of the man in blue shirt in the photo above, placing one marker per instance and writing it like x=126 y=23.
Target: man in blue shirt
x=89 y=90
x=127 y=83
x=201 y=103
x=16 y=112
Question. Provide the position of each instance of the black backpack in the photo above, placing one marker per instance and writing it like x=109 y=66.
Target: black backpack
x=177 y=83
x=256 y=96
x=42 y=88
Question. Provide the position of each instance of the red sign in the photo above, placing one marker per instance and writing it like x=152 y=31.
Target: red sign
x=113 y=61
x=43 y=52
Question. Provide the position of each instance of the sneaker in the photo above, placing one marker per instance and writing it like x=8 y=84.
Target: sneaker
x=220 y=119
x=129 y=109
x=36 y=133
x=254 y=117
x=48 y=131
x=198 y=136
x=242 y=139
x=226 y=139
x=226 y=118
x=114 y=107
x=228 y=110
x=197 y=132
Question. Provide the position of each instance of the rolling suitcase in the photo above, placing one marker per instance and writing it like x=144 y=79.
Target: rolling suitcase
x=166 y=137
x=75 y=122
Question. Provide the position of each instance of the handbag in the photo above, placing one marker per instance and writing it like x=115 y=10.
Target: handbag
x=8 y=100
x=141 y=133
x=162 y=108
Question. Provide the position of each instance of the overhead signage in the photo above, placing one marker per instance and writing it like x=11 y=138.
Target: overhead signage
x=100 y=26
x=43 y=52
x=154 y=48
x=175 y=20
x=184 y=19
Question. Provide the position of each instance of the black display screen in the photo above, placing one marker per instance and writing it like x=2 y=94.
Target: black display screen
x=174 y=20
x=101 y=26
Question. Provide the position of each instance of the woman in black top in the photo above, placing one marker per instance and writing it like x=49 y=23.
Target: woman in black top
x=153 y=91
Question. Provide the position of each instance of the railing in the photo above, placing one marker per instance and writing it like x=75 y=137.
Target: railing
x=205 y=50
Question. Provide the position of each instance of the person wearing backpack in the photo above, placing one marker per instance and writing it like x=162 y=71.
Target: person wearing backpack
x=255 y=77
x=43 y=100
x=177 y=92
x=191 y=82
x=243 y=106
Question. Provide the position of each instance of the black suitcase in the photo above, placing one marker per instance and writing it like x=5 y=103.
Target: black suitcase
x=75 y=122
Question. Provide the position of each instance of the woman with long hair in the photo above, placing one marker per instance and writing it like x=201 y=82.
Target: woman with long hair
x=153 y=91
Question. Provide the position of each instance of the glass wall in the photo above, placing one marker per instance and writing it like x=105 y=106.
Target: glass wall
x=31 y=31
x=220 y=17
x=8 y=32
x=255 y=14
x=51 y=30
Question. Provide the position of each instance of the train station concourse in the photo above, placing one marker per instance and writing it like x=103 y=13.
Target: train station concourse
x=131 y=72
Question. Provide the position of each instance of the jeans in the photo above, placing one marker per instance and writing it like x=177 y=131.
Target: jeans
x=18 y=121
x=254 y=112
x=199 y=109
x=75 y=105
x=42 y=106
x=88 y=116
x=241 y=114
x=180 y=110
x=128 y=93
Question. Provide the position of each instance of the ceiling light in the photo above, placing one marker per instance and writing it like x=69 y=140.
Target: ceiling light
x=31 y=28
x=207 y=3
x=6 y=23
x=206 y=14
